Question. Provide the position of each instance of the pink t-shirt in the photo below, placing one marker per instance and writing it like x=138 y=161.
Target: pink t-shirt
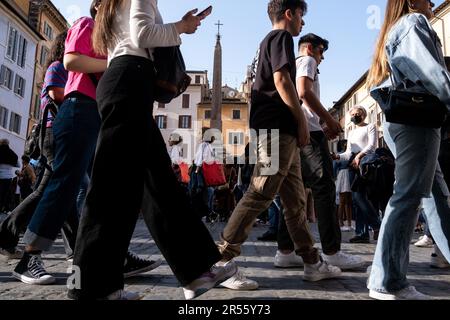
x=79 y=40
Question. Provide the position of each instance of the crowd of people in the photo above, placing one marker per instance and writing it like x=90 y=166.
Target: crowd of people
x=101 y=76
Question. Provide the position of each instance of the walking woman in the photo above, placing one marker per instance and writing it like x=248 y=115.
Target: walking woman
x=361 y=142
x=410 y=50
x=75 y=131
x=128 y=31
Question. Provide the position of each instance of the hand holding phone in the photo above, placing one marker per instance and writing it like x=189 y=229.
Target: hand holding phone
x=205 y=12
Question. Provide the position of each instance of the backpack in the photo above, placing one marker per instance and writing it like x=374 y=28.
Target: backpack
x=171 y=77
x=32 y=148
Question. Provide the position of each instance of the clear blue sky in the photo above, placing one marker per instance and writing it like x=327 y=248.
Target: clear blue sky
x=343 y=23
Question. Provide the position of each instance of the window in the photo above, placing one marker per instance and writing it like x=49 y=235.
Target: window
x=3 y=117
x=236 y=138
x=186 y=98
x=198 y=79
x=44 y=55
x=11 y=50
x=161 y=121
x=48 y=31
x=184 y=122
x=37 y=107
x=22 y=54
x=14 y=123
x=207 y=114
x=19 y=85
x=236 y=114
x=161 y=105
x=6 y=77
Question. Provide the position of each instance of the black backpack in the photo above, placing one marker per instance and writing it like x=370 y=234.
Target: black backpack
x=171 y=77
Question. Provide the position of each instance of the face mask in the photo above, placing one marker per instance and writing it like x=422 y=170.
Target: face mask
x=356 y=119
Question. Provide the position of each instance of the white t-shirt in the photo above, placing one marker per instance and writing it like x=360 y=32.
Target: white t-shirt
x=205 y=153
x=6 y=171
x=360 y=139
x=176 y=154
x=307 y=67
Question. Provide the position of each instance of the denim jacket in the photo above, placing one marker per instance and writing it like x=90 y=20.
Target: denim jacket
x=415 y=56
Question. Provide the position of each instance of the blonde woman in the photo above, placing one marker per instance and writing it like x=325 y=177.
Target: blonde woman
x=410 y=51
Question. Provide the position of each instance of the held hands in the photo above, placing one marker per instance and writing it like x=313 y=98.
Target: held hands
x=189 y=23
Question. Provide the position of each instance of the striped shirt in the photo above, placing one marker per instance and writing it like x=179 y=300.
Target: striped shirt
x=56 y=76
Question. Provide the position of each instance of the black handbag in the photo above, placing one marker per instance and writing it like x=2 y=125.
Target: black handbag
x=410 y=108
x=171 y=77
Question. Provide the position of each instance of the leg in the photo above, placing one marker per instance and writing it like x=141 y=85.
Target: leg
x=263 y=189
x=317 y=169
x=416 y=151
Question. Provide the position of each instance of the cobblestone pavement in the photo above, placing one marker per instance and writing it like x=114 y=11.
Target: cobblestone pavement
x=256 y=262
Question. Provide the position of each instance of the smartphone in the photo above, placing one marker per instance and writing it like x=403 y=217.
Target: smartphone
x=205 y=12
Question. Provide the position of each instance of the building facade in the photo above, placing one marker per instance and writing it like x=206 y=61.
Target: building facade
x=235 y=120
x=180 y=115
x=18 y=43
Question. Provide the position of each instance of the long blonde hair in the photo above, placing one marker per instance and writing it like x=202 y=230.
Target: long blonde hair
x=395 y=9
x=103 y=36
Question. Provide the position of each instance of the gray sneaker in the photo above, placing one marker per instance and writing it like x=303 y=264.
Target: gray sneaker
x=210 y=279
x=321 y=270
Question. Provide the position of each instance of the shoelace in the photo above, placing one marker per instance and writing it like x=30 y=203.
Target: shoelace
x=134 y=258
x=36 y=267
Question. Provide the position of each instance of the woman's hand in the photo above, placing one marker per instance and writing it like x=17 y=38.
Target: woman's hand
x=356 y=162
x=189 y=23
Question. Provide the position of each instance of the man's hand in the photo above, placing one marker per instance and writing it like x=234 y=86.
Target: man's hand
x=303 y=137
x=333 y=129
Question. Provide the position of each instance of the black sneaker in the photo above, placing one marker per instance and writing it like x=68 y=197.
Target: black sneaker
x=135 y=265
x=268 y=236
x=359 y=239
x=31 y=270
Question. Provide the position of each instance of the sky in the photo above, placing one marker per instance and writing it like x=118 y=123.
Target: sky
x=351 y=26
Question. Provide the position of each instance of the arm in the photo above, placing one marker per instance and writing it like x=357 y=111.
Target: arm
x=418 y=59
x=348 y=152
x=56 y=93
x=307 y=95
x=145 y=32
x=288 y=93
x=83 y=64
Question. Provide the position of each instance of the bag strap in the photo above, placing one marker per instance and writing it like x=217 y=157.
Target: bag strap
x=93 y=79
x=53 y=108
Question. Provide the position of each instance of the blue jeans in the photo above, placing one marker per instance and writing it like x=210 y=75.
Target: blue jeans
x=75 y=132
x=418 y=178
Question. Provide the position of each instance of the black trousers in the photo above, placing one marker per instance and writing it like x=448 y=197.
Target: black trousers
x=317 y=172
x=132 y=171
x=17 y=221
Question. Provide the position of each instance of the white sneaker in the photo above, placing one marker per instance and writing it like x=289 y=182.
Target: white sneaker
x=124 y=295
x=240 y=282
x=319 y=271
x=346 y=229
x=210 y=279
x=424 y=242
x=344 y=261
x=438 y=260
x=290 y=260
x=409 y=293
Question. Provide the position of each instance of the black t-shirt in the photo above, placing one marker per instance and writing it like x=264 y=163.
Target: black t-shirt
x=268 y=111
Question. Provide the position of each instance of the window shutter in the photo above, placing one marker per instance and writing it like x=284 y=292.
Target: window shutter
x=2 y=74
